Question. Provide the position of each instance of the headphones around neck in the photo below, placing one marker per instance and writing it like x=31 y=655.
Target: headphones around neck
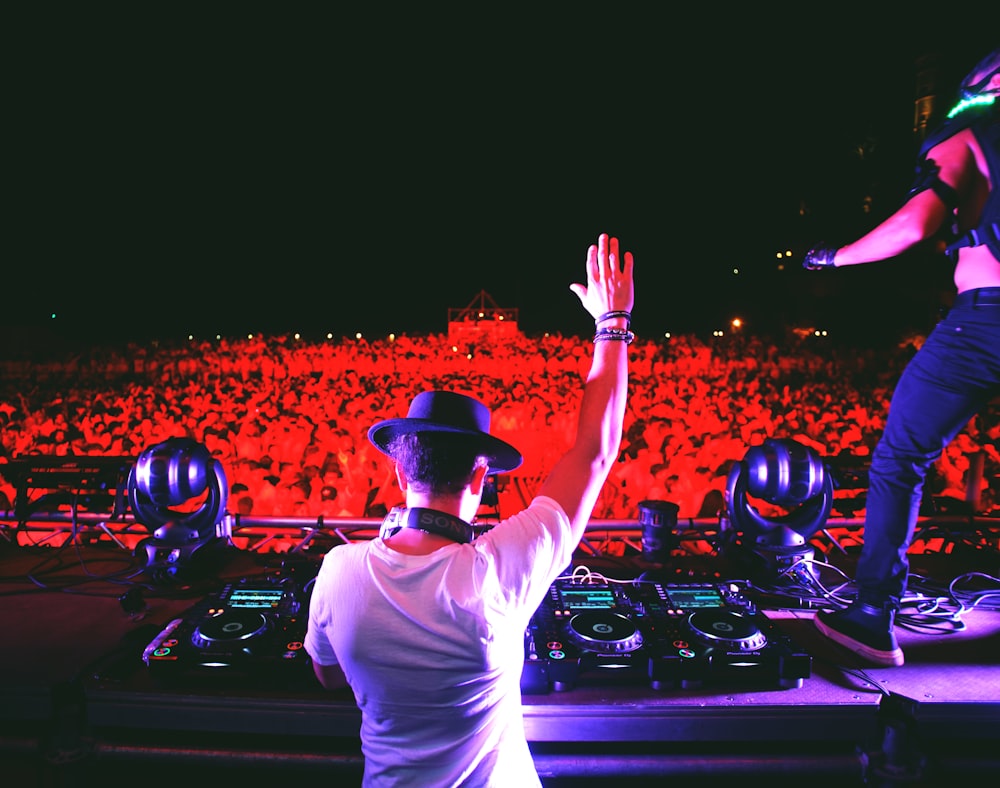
x=430 y=520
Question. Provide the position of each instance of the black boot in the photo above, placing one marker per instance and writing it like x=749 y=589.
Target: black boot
x=865 y=629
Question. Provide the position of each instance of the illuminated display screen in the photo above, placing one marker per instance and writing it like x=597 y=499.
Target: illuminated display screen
x=687 y=598
x=255 y=597
x=585 y=598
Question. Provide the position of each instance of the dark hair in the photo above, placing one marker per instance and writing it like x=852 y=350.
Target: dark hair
x=437 y=462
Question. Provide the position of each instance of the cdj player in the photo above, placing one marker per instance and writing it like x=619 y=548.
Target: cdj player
x=669 y=635
x=251 y=627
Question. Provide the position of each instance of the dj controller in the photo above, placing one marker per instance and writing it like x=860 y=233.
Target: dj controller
x=250 y=628
x=666 y=634
x=588 y=630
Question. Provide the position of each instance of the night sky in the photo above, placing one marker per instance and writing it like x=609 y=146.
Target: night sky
x=370 y=170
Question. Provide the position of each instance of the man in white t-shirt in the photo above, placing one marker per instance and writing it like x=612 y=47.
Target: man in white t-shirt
x=426 y=623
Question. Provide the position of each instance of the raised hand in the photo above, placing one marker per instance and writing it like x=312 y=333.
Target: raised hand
x=609 y=285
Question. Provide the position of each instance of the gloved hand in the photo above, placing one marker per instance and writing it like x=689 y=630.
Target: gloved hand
x=819 y=257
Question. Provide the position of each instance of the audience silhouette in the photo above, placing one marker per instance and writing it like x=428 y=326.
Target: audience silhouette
x=281 y=413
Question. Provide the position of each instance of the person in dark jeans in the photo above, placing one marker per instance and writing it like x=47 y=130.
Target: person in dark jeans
x=956 y=372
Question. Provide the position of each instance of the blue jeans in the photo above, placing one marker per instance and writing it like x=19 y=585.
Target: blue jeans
x=953 y=376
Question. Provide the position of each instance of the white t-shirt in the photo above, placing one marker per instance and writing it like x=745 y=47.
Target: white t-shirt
x=433 y=648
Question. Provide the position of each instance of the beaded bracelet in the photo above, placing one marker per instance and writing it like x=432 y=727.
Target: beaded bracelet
x=615 y=313
x=620 y=334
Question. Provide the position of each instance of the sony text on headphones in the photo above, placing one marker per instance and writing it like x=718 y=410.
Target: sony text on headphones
x=430 y=520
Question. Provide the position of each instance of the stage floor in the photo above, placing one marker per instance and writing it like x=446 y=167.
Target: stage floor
x=78 y=705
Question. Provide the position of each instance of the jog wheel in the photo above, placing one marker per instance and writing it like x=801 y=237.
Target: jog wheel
x=730 y=629
x=229 y=626
x=604 y=632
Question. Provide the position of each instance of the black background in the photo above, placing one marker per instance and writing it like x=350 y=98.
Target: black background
x=282 y=170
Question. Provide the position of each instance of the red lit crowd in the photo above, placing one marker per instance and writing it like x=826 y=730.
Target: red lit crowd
x=288 y=418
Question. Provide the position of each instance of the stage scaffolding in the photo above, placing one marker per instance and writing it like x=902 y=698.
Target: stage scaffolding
x=603 y=537
x=86 y=501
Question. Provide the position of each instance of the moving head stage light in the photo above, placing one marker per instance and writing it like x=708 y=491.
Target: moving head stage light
x=794 y=480
x=180 y=492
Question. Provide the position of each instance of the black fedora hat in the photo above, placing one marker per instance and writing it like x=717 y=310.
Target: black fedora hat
x=447 y=411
